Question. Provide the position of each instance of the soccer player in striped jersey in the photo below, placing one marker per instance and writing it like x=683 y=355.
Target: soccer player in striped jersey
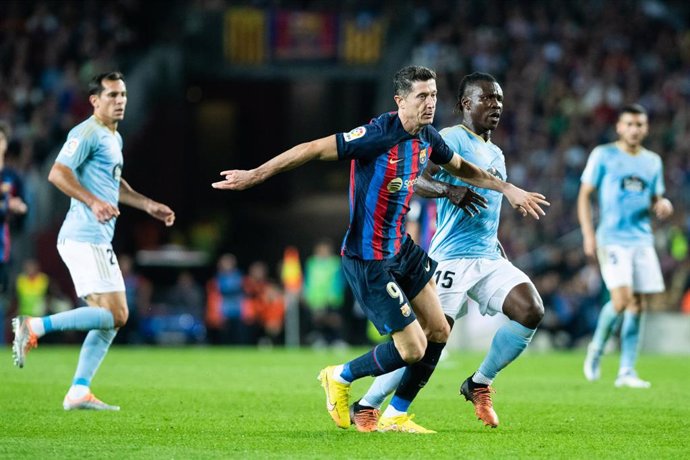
x=471 y=262
x=11 y=203
x=629 y=181
x=88 y=169
x=390 y=276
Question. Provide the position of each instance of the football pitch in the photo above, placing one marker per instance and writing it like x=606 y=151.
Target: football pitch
x=189 y=403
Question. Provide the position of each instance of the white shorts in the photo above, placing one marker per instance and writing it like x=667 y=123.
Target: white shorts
x=485 y=281
x=634 y=266
x=93 y=267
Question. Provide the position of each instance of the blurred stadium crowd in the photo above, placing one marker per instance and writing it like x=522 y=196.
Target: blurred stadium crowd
x=565 y=68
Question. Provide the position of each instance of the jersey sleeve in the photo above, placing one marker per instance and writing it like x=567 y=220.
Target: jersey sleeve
x=659 y=187
x=594 y=170
x=441 y=153
x=363 y=142
x=76 y=149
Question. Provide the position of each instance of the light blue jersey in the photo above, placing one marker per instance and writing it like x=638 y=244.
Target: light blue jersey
x=94 y=153
x=457 y=234
x=626 y=184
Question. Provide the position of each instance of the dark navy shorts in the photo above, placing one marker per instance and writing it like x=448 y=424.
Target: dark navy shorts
x=384 y=288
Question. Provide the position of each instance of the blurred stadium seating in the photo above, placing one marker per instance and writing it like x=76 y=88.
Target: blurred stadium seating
x=215 y=84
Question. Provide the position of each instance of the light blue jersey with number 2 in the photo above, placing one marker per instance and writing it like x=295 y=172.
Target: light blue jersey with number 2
x=94 y=153
x=626 y=185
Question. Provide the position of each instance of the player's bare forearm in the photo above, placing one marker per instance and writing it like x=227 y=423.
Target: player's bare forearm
x=64 y=179
x=584 y=216
x=528 y=203
x=584 y=211
x=427 y=187
x=321 y=149
x=474 y=175
x=132 y=198
x=463 y=197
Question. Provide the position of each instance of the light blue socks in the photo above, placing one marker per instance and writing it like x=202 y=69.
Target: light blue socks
x=630 y=338
x=383 y=386
x=606 y=324
x=93 y=350
x=79 y=319
x=509 y=342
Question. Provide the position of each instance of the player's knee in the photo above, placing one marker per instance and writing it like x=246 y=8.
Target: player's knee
x=120 y=316
x=413 y=350
x=412 y=354
x=440 y=333
x=624 y=303
x=534 y=313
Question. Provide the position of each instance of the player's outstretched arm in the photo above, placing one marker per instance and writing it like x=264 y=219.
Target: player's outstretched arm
x=320 y=149
x=132 y=198
x=64 y=179
x=465 y=198
x=526 y=202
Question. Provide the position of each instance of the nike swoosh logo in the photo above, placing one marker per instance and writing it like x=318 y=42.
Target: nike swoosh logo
x=392 y=161
x=428 y=266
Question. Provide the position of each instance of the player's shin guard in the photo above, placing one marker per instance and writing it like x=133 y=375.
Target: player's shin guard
x=380 y=360
x=416 y=376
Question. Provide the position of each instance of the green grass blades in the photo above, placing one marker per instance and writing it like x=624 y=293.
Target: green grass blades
x=207 y=403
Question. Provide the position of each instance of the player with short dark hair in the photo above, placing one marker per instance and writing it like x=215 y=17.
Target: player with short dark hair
x=471 y=263
x=88 y=169
x=629 y=181
x=390 y=276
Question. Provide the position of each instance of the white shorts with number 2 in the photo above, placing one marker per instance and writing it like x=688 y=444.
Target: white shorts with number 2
x=93 y=267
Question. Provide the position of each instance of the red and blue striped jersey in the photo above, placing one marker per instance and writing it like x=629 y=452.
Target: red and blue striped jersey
x=11 y=185
x=386 y=161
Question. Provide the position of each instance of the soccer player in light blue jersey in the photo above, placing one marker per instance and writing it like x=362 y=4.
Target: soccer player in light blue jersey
x=88 y=169
x=629 y=180
x=471 y=262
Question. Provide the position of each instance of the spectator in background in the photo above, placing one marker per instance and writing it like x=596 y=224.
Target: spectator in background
x=224 y=297
x=263 y=307
x=11 y=203
x=186 y=296
x=32 y=289
x=324 y=295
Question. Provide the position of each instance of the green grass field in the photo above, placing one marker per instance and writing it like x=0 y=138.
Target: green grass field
x=187 y=403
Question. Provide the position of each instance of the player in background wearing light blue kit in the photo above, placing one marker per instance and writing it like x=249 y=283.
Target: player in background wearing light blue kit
x=88 y=169
x=471 y=262
x=630 y=184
